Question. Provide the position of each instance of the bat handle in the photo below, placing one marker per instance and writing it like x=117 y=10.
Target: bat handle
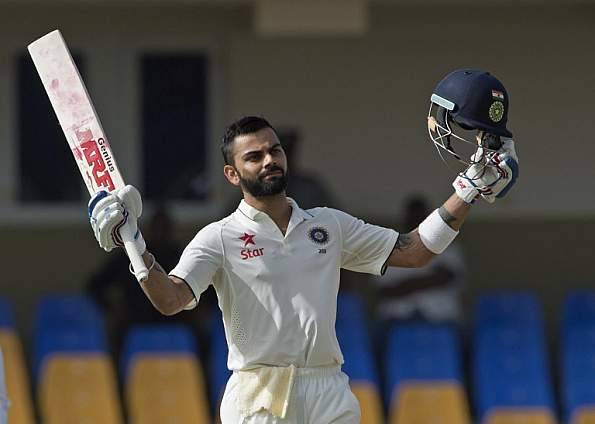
x=136 y=260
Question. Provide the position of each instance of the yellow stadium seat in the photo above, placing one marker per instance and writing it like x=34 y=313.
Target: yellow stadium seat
x=166 y=389
x=520 y=416
x=79 y=388
x=17 y=381
x=585 y=415
x=369 y=401
x=429 y=403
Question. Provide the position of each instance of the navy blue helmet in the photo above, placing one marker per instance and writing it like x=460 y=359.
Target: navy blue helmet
x=473 y=100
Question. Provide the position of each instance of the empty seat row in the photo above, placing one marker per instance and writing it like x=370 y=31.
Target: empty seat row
x=75 y=378
x=423 y=381
x=20 y=404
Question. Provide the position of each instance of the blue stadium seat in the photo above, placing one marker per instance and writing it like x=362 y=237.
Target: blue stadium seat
x=578 y=377
x=68 y=311
x=218 y=373
x=356 y=345
x=350 y=307
x=522 y=341
x=6 y=314
x=506 y=379
x=579 y=309
x=421 y=352
x=510 y=370
x=505 y=308
x=15 y=370
x=66 y=323
x=358 y=355
x=577 y=353
x=69 y=340
x=354 y=339
x=162 y=338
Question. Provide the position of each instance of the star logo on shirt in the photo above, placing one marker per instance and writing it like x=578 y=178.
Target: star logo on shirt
x=248 y=239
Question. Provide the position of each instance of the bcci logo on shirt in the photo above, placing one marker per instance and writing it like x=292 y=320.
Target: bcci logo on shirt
x=246 y=253
x=319 y=235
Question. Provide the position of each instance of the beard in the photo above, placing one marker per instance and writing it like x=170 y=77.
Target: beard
x=259 y=187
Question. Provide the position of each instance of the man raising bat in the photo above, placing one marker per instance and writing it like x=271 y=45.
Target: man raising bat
x=275 y=267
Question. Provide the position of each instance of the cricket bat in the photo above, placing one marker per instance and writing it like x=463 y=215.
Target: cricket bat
x=81 y=126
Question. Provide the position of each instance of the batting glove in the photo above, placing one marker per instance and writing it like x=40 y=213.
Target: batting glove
x=109 y=212
x=490 y=182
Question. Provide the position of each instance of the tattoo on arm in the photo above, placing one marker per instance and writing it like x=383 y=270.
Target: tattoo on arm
x=410 y=251
x=404 y=242
x=446 y=216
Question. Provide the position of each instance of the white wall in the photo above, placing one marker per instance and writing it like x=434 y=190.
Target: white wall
x=361 y=102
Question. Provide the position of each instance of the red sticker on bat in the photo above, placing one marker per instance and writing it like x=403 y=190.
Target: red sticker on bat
x=95 y=161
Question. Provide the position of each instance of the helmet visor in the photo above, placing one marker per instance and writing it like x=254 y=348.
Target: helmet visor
x=457 y=146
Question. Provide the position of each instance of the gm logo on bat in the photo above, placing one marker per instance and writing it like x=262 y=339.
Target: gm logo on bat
x=93 y=156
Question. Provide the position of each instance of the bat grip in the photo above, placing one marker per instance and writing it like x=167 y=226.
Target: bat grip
x=136 y=260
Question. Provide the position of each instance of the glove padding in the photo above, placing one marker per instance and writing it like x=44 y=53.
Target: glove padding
x=492 y=181
x=108 y=212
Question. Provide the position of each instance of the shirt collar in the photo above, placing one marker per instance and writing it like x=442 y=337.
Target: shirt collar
x=254 y=214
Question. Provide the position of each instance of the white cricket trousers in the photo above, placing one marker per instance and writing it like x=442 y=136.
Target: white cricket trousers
x=319 y=396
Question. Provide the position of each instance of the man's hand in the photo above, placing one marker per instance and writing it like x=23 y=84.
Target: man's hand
x=108 y=212
x=491 y=180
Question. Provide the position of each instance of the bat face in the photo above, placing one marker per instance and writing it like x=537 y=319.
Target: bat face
x=76 y=113
x=81 y=126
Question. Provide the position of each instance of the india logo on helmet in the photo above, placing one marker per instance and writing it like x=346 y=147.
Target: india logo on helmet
x=496 y=111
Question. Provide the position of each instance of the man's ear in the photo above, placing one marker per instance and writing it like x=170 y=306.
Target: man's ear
x=232 y=175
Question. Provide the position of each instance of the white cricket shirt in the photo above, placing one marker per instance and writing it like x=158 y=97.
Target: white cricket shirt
x=278 y=294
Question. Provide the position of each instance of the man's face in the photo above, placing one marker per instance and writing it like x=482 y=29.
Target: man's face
x=259 y=164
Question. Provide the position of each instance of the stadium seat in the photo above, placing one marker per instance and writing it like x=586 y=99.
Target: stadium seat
x=525 y=416
x=67 y=310
x=584 y=415
x=66 y=323
x=163 y=376
x=17 y=381
x=422 y=352
x=166 y=388
x=218 y=371
x=160 y=338
x=76 y=388
x=579 y=309
x=54 y=340
x=511 y=376
x=577 y=357
x=356 y=346
x=369 y=401
x=424 y=367
x=75 y=375
x=505 y=308
x=350 y=307
x=6 y=314
x=429 y=403
x=577 y=373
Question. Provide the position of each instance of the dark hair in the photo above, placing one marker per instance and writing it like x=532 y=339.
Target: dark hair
x=245 y=125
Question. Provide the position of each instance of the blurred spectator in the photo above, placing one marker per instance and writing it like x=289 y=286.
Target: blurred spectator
x=431 y=293
x=307 y=189
x=122 y=300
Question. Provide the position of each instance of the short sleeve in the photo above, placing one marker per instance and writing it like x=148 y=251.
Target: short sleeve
x=365 y=247
x=201 y=259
